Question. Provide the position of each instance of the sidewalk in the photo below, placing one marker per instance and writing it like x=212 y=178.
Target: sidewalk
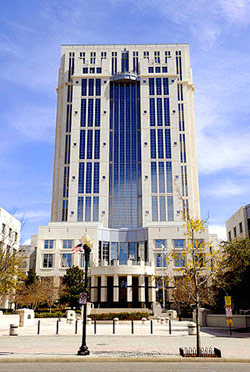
x=123 y=346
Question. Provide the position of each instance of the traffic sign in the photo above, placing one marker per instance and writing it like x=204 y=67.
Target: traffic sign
x=228 y=301
x=229 y=321
x=228 y=311
x=83 y=298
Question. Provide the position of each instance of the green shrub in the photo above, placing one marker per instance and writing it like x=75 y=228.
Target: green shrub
x=121 y=316
x=57 y=314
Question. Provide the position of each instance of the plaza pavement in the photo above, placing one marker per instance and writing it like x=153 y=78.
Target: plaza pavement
x=121 y=346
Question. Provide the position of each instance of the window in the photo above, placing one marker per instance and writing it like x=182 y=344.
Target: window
x=105 y=251
x=157 y=56
x=152 y=111
x=85 y=70
x=114 y=251
x=153 y=143
x=80 y=209
x=82 y=261
x=164 y=69
x=170 y=203
x=125 y=61
x=154 y=208
x=89 y=178
x=67 y=244
x=151 y=70
x=151 y=86
x=179 y=260
x=88 y=208
x=84 y=87
x=92 y=57
x=47 y=261
x=98 y=70
x=240 y=226
x=229 y=236
x=153 y=178
x=159 y=243
x=82 y=56
x=92 y=70
x=146 y=55
x=66 y=260
x=91 y=87
x=159 y=112
x=200 y=259
x=103 y=55
x=158 y=69
x=179 y=243
x=123 y=253
x=169 y=177
x=132 y=250
x=235 y=232
x=3 y=228
x=98 y=87
x=83 y=112
x=82 y=145
x=48 y=244
x=96 y=208
x=89 y=144
x=158 y=86
x=160 y=260
x=97 y=112
x=96 y=178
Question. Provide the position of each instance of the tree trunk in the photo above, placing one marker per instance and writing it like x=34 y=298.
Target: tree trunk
x=198 y=338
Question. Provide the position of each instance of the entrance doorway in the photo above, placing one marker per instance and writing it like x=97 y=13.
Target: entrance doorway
x=123 y=291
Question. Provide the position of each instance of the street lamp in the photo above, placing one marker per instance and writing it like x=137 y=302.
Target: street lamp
x=85 y=248
x=163 y=281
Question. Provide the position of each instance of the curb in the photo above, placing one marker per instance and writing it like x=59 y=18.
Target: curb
x=89 y=359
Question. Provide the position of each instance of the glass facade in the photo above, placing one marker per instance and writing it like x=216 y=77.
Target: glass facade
x=125 y=156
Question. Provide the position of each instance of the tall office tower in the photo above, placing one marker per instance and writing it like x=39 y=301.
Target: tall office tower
x=125 y=166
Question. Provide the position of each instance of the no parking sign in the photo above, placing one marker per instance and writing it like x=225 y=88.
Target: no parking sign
x=83 y=298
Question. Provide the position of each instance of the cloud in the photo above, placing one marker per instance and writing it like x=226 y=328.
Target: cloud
x=219 y=230
x=27 y=242
x=33 y=214
x=226 y=190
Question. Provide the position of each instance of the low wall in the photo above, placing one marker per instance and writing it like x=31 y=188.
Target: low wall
x=115 y=310
x=239 y=321
x=6 y=320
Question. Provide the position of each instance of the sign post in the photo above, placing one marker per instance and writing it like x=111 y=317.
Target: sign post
x=229 y=315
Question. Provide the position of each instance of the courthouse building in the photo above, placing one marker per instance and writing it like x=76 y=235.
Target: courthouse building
x=125 y=167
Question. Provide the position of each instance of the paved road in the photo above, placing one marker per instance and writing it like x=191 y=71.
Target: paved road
x=120 y=367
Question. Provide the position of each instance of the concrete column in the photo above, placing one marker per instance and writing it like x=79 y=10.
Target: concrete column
x=151 y=289
x=104 y=290
x=93 y=293
x=116 y=288
x=141 y=288
x=129 y=289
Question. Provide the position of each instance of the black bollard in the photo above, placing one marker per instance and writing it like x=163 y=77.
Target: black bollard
x=38 y=327
x=132 y=327
x=95 y=327
x=76 y=327
x=57 y=327
x=151 y=326
x=113 y=326
x=169 y=326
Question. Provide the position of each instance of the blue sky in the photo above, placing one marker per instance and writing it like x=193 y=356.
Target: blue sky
x=31 y=33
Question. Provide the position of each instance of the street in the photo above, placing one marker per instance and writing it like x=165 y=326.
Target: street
x=123 y=366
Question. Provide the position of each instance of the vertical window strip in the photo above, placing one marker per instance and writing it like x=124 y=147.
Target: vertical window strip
x=170 y=204
x=89 y=144
x=162 y=208
x=184 y=148
x=152 y=111
x=111 y=146
x=151 y=87
x=159 y=112
x=160 y=144
x=80 y=208
x=81 y=178
x=87 y=209
x=161 y=177
x=98 y=87
x=97 y=145
x=182 y=181
x=65 y=210
x=96 y=178
x=90 y=112
x=69 y=118
x=153 y=143
x=165 y=86
x=169 y=177
x=158 y=86
x=168 y=143
x=91 y=87
x=153 y=178
x=67 y=149
x=82 y=145
x=66 y=182
x=83 y=112
x=97 y=112
x=166 y=112
x=84 y=87
x=154 y=208
x=96 y=208
x=89 y=178
x=186 y=183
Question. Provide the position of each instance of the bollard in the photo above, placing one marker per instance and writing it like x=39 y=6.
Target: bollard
x=151 y=326
x=169 y=326
x=38 y=327
x=76 y=322
x=113 y=326
x=132 y=327
x=95 y=327
x=13 y=330
x=57 y=327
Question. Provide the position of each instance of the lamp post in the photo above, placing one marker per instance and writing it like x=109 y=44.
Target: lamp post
x=86 y=249
x=163 y=281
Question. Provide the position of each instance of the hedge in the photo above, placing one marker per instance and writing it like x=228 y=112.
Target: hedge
x=121 y=316
x=57 y=314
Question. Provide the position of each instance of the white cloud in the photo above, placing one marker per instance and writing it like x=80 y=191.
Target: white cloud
x=226 y=190
x=27 y=242
x=33 y=214
x=219 y=230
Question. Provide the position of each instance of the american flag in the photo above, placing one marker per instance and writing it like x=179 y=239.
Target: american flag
x=78 y=248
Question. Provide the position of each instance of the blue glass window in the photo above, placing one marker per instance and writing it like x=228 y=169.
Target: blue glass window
x=166 y=112
x=85 y=70
x=67 y=149
x=83 y=112
x=161 y=177
x=160 y=144
x=154 y=208
x=162 y=208
x=114 y=251
x=81 y=178
x=97 y=145
x=151 y=86
x=88 y=208
x=153 y=178
x=89 y=144
x=123 y=253
x=80 y=208
x=169 y=177
x=170 y=208
x=66 y=260
x=48 y=244
x=179 y=243
x=82 y=145
x=158 y=86
x=69 y=116
x=89 y=178
x=84 y=87
x=67 y=244
x=150 y=70
x=132 y=250
x=90 y=112
x=168 y=143
x=165 y=87
x=92 y=71
x=179 y=260
x=160 y=260
x=152 y=111
x=125 y=61
x=91 y=87
x=159 y=112
x=95 y=208
x=98 y=87
x=164 y=69
x=97 y=112
x=157 y=69
x=96 y=178
x=159 y=243
x=153 y=143
x=98 y=70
